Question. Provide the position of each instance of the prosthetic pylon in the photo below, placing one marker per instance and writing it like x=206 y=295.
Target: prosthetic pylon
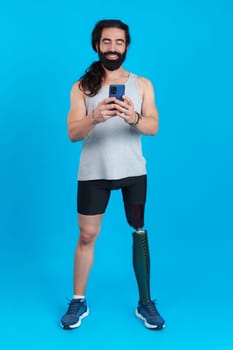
x=141 y=263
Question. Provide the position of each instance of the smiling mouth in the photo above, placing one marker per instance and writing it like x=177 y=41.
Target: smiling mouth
x=112 y=57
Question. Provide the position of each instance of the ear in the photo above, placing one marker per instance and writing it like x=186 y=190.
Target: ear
x=97 y=47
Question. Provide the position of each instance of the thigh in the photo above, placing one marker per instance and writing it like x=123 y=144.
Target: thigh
x=134 y=191
x=92 y=197
x=134 y=196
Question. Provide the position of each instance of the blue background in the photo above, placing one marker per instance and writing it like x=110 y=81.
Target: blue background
x=185 y=48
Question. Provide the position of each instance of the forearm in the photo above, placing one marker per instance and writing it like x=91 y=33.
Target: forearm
x=147 y=125
x=79 y=129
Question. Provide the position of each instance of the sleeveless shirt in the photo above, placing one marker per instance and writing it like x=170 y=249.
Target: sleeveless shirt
x=113 y=148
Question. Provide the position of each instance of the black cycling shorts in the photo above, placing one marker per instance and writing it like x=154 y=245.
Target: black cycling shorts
x=93 y=195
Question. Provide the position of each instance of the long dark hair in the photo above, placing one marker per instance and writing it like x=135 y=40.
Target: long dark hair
x=91 y=81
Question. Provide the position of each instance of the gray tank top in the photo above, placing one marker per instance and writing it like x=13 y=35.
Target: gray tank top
x=113 y=148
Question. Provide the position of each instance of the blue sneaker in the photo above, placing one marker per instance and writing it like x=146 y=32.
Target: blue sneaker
x=147 y=312
x=76 y=312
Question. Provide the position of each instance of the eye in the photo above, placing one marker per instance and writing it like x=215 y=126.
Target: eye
x=106 y=41
x=120 y=42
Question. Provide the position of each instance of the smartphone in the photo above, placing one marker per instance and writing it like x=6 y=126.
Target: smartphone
x=117 y=90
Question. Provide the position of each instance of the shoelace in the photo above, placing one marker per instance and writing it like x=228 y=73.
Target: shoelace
x=151 y=308
x=74 y=306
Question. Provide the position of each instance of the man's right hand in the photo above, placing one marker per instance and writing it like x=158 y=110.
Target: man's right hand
x=104 y=110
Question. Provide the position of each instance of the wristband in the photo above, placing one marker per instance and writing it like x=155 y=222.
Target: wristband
x=93 y=118
x=137 y=119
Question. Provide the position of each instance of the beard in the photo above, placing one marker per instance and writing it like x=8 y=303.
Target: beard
x=111 y=64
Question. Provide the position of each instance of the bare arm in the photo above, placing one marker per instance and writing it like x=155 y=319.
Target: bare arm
x=79 y=122
x=148 y=124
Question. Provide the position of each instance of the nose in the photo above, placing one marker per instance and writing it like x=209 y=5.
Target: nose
x=112 y=46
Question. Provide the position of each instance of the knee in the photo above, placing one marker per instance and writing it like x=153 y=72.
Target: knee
x=87 y=236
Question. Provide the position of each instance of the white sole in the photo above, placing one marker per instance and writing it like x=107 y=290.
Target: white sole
x=148 y=325
x=77 y=324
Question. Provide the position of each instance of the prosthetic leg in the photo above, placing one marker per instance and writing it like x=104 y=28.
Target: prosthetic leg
x=141 y=255
x=141 y=264
x=146 y=309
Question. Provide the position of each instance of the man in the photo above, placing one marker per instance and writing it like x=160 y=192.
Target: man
x=111 y=159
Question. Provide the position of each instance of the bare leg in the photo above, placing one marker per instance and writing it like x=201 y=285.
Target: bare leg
x=89 y=226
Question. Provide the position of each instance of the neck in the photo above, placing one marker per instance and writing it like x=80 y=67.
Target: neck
x=118 y=76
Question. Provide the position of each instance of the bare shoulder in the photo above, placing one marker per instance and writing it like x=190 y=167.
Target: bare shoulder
x=75 y=89
x=76 y=95
x=145 y=86
x=144 y=82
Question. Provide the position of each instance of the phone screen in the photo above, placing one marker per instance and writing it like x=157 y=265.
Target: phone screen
x=117 y=90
